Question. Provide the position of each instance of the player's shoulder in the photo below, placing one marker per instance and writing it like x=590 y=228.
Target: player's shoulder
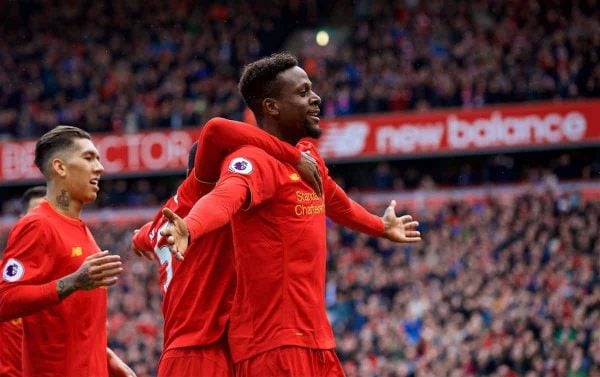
x=250 y=152
x=220 y=121
x=247 y=159
x=33 y=225
x=35 y=217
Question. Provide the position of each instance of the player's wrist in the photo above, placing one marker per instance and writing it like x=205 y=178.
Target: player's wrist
x=387 y=227
x=66 y=286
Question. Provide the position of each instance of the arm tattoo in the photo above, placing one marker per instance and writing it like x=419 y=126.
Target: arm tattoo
x=63 y=200
x=65 y=287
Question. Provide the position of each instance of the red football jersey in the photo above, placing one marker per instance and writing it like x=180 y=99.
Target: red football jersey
x=60 y=338
x=11 y=334
x=280 y=256
x=279 y=248
x=198 y=291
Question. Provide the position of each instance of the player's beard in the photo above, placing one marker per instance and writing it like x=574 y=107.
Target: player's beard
x=312 y=130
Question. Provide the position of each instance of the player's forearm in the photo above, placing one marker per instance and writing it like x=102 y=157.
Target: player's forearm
x=345 y=211
x=219 y=137
x=141 y=239
x=22 y=300
x=217 y=208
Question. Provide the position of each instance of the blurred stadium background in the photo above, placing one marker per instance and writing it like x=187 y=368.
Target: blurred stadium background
x=482 y=118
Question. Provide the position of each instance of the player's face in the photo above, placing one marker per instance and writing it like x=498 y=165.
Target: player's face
x=298 y=104
x=82 y=171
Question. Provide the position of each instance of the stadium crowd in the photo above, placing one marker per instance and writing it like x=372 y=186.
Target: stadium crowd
x=499 y=288
x=138 y=64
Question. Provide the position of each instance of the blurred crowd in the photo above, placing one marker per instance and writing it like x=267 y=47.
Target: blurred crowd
x=130 y=65
x=402 y=175
x=496 y=289
x=420 y=54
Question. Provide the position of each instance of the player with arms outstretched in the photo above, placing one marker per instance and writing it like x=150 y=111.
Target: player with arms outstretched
x=198 y=292
x=278 y=322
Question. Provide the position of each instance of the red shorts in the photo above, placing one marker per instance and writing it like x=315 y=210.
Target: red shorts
x=291 y=361
x=212 y=360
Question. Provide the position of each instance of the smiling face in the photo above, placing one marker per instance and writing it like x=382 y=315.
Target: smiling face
x=297 y=105
x=79 y=169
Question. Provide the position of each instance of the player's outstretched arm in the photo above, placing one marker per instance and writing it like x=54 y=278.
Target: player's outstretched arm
x=209 y=213
x=219 y=137
x=116 y=366
x=401 y=229
x=345 y=211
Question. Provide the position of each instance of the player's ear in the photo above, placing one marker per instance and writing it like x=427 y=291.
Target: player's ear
x=58 y=167
x=270 y=106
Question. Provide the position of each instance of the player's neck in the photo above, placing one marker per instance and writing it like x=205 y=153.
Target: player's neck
x=62 y=202
x=274 y=129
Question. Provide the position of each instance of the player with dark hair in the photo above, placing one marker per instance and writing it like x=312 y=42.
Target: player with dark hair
x=11 y=332
x=198 y=292
x=54 y=274
x=278 y=323
x=31 y=198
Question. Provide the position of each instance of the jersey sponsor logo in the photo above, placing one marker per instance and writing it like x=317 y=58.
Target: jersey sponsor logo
x=309 y=204
x=294 y=177
x=13 y=271
x=240 y=165
x=76 y=251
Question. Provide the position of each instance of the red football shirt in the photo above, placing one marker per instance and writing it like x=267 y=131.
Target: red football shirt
x=60 y=338
x=198 y=292
x=280 y=255
x=279 y=251
x=11 y=335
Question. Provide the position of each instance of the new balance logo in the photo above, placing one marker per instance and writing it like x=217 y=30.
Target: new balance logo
x=343 y=140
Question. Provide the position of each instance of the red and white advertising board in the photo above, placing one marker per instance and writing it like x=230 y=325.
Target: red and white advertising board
x=380 y=136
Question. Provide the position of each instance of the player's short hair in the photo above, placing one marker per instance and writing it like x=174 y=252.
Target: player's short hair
x=31 y=193
x=258 y=79
x=192 y=156
x=53 y=141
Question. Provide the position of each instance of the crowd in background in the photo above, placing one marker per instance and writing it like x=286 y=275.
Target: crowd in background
x=130 y=65
x=498 y=288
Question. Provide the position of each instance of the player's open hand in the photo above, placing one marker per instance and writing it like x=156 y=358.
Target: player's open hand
x=117 y=367
x=399 y=229
x=176 y=234
x=307 y=167
x=97 y=270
